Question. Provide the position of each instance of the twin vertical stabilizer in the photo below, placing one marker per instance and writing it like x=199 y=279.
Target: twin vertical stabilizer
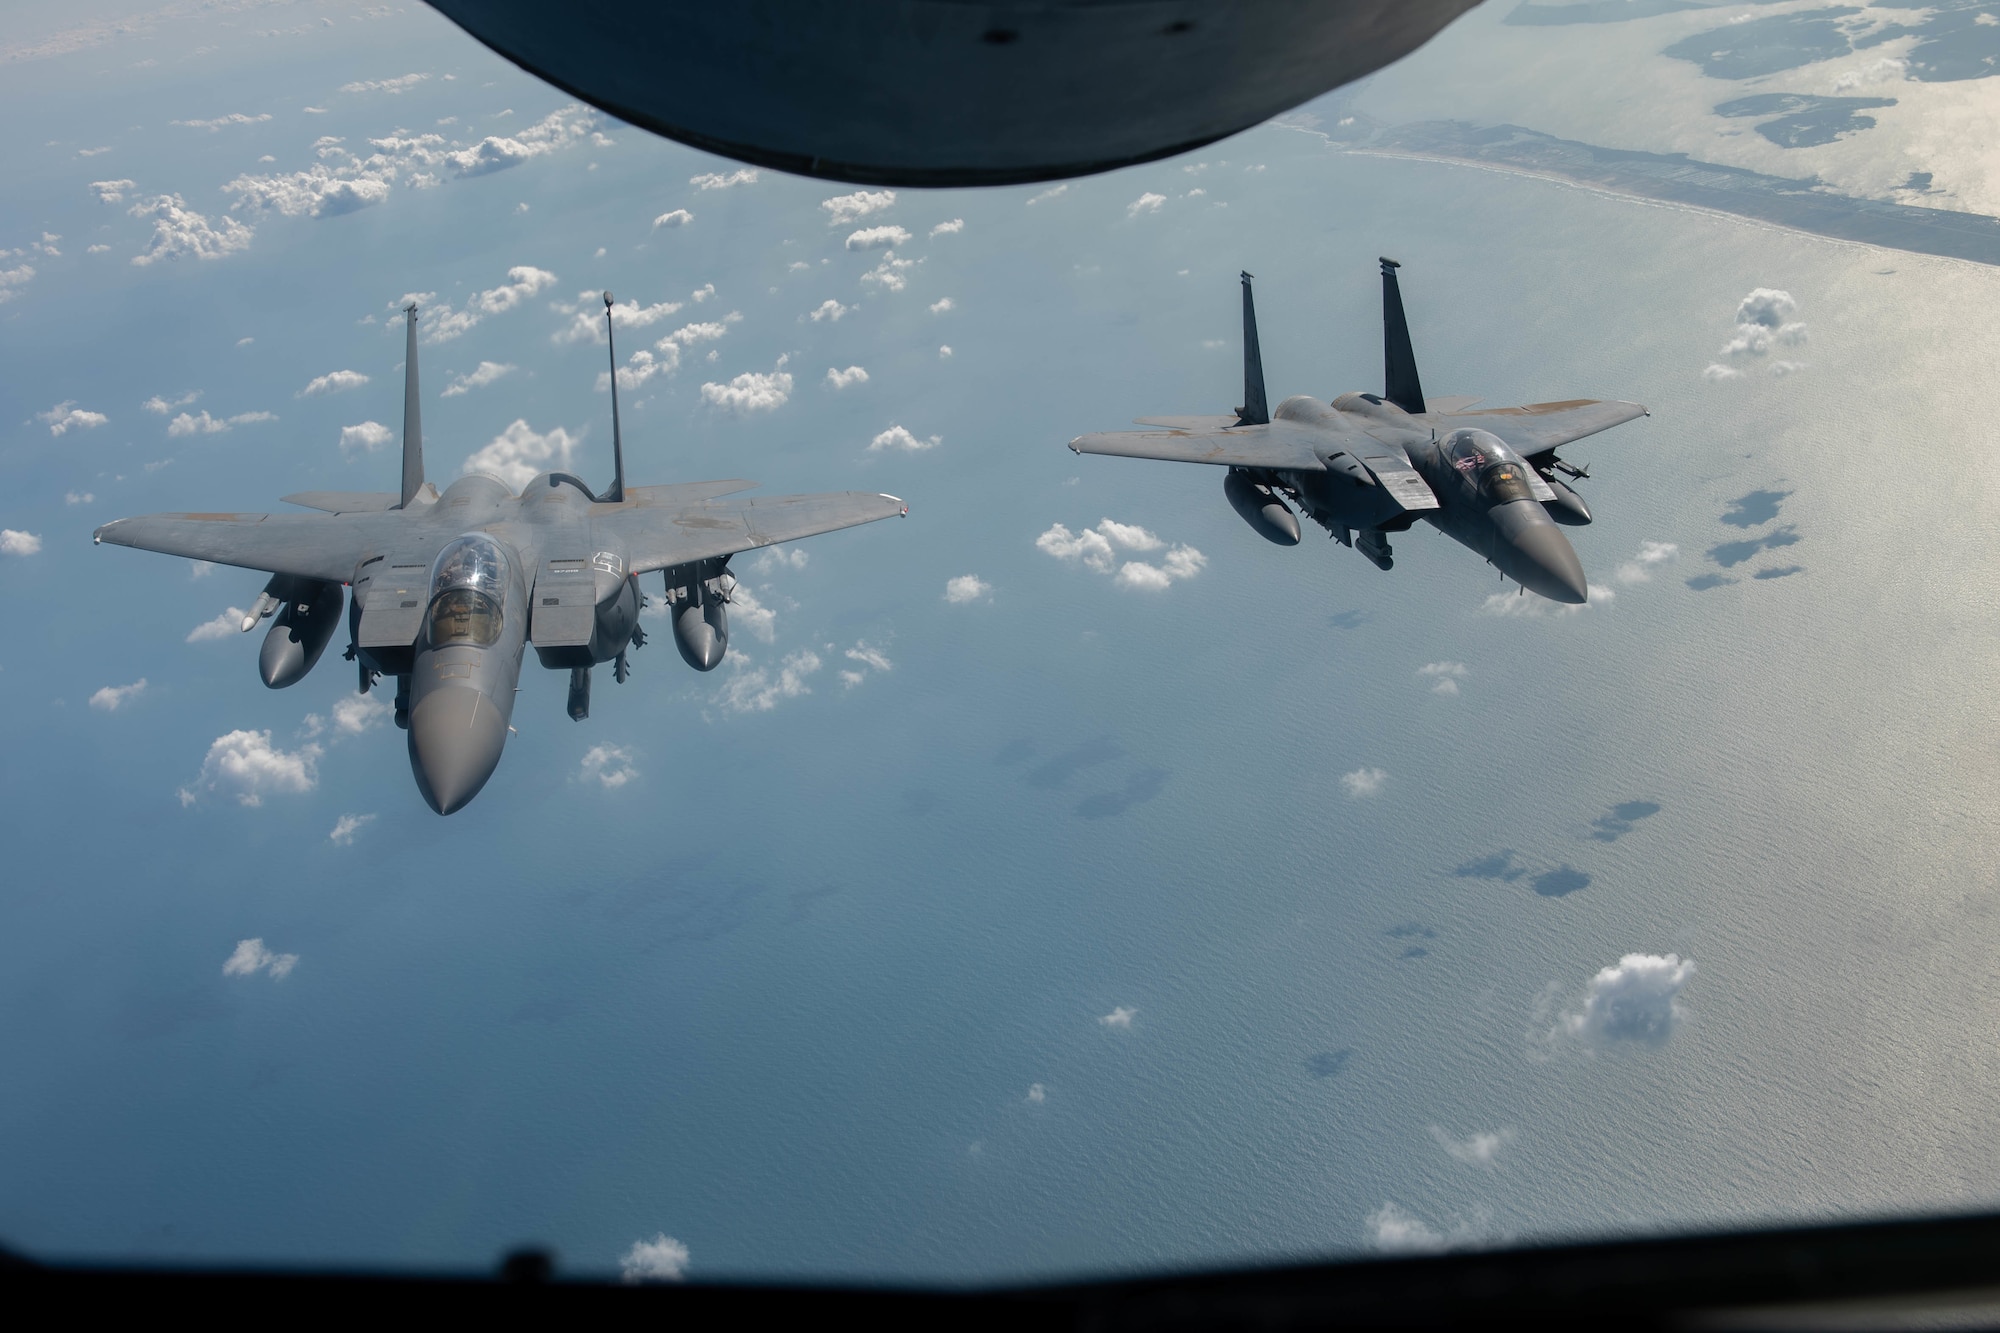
x=1256 y=409
x=413 y=424
x=1399 y=360
x=616 y=495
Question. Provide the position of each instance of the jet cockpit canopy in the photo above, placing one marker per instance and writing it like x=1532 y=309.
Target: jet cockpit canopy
x=468 y=592
x=1490 y=467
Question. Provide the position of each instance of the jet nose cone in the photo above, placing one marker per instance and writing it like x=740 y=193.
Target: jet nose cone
x=1535 y=551
x=456 y=735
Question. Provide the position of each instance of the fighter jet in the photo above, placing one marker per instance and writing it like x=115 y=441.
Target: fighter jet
x=450 y=587
x=1367 y=465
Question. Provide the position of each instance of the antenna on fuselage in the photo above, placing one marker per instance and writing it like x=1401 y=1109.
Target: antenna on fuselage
x=616 y=495
x=1399 y=360
x=413 y=422
x=1256 y=410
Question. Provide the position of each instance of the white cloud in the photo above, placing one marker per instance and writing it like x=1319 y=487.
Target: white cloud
x=752 y=615
x=966 y=588
x=1053 y=192
x=178 y=230
x=774 y=558
x=1767 y=308
x=875 y=238
x=111 y=192
x=587 y=317
x=346 y=827
x=233 y=118
x=205 y=424
x=866 y=657
x=519 y=452
x=1886 y=69
x=828 y=309
x=164 y=406
x=661 y=1259
x=951 y=228
x=1097 y=548
x=1717 y=371
x=1394 y=1231
x=898 y=437
x=367 y=437
x=890 y=273
x=92 y=250
x=224 y=625
x=201 y=569
x=840 y=379
x=944 y=352
x=1518 y=603
x=487 y=373
x=664 y=357
x=66 y=416
x=1640 y=567
x=440 y=323
x=1120 y=1017
x=1037 y=1094
x=1637 y=1000
x=78 y=497
x=843 y=210
x=15 y=542
x=1780 y=369
x=753 y=689
x=13 y=279
x=1475 y=1150
x=609 y=765
x=251 y=957
x=354 y=714
x=1444 y=676
x=333 y=382
x=942 y=304
x=1763 y=321
x=717 y=181
x=114 y=697
x=1145 y=203
x=680 y=217
x=751 y=391
x=247 y=765
x=397 y=85
x=1363 y=783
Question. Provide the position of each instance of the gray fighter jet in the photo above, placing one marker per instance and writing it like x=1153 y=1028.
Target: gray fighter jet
x=1366 y=465
x=450 y=588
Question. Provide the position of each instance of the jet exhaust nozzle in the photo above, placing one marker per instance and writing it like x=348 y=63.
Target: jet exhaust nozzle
x=299 y=633
x=1261 y=507
x=701 y=632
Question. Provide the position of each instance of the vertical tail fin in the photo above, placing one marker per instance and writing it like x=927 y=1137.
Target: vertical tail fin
x=616 y=495
x=1255 y=410
x=413 y=424
x=1399 y=359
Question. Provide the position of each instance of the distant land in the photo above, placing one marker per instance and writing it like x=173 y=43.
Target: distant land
x=1803 y=204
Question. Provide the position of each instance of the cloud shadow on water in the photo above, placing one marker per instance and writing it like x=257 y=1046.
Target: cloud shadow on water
x=1560 y=882
x=1731 y=554
x=1348 y=619
x=1013 y=752
x=1615 y=825
x=1755 y=509
x=1703 y=582
x=1779 y=572
x=1055 y=772
x=1326 y=1064
x=1141 y=787
x=1411 y=930
x=1414 y=951
x=1500 y=865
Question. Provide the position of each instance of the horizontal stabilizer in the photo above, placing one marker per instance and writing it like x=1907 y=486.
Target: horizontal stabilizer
x=1187 y=423
x=345 y=502
x=1450 y=403
x=1245 y=446
x=1540 y=427
x=687 y=492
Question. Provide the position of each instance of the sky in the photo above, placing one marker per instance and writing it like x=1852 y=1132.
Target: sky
x=1060 y=879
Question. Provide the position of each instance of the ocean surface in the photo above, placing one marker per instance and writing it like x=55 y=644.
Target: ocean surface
x=822 y=988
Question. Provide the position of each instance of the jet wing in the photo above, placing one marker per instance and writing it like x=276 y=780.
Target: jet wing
x=1540 y=427
x=1239 y=446
x=658 y=536
x=344 y=502
x=312 y=546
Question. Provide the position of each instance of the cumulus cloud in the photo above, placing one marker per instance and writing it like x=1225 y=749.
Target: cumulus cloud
x=251 y=957
x=966 y=588
x=15 y=542
x=942 y=304
x=1444 y=676
x=899 y=438
x=664 y=357
x=247 y=765
x=333 y=382
x=610 y=766
x=829 y=309
x=892 y=274
x=1120 y=1017
x=519 y=452
x=680 y=217
x=866 y=657
x=757 y=689
x=66 y=416
x=346 y=827
x=774 y=558
x=1651 y=555
x=354 y=714
x=1097 y=548
x=204 y=424
x=78 y=497
x=222 y=122
x=840 y=379
x=1476 y=1149
x=846 y=209
x=751 y=391
x=13 y=279
x=112 y=192
x=1886 y=69
x=1053 y=192
x=1363 y=783
x=944 y=352
x=752 y=616
x=876 y=238
x=661 y=1259
x=441 y=323
x=367 y=437
x=1393 y=1231
x=951 y=228
x=178 y=230
x=488 y=372
x=166 y=406
x=1145 y=203
x=715 y=180
x=1764 y=320
x=1635 y=1000
x=114 y=697
x=587 y=317
x=401 y=84
x=227 y=623
x=1037 y=1094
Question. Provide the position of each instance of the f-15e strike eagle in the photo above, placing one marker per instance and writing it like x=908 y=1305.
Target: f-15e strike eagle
x=1366 y=465
x=450 y=588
